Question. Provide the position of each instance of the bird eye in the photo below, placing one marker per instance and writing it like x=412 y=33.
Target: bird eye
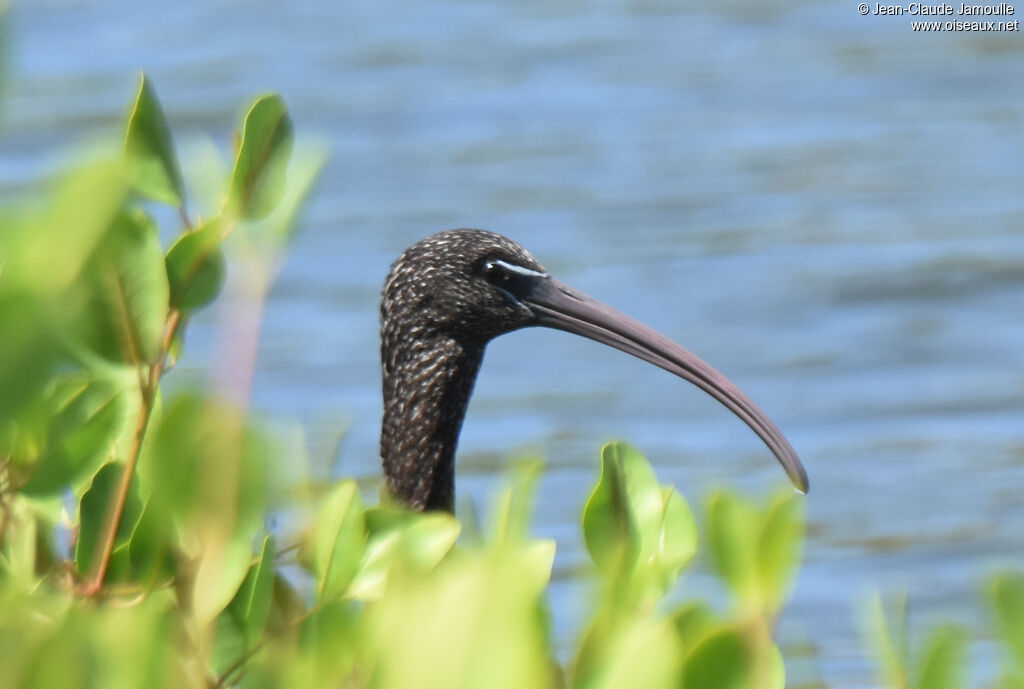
x=514 y=280
x=495 y=273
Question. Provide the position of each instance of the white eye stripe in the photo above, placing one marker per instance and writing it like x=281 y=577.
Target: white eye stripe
x=526 y=272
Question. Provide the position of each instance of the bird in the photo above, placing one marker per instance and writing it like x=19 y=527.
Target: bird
x=450 y=294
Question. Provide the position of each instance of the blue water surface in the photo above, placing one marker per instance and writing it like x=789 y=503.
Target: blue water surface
x=828 y=207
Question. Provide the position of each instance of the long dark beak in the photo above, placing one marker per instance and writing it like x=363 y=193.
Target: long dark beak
x=557 y=305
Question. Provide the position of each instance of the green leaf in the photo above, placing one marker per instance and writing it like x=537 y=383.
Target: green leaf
x=755 y=552
x=270 y=236
x=623 y=517
x=126 y=296
x=153 y=162
x=195 y=266
x=150 y=548
x=693 y=622
x=257 y=182
x=206 y=470
x=437 y=629
x=397 y=538
x=112 y=646
x=720 y=661
x=45 y=251
x=207 y=467
x=340 y=536
x=725 y=660
x=95 y=510
x=942 y=661
x=1006 y=597
x=223 y=563
x=513 y=506
x=333 y=639
x=229 y=643
x=251 y=604
x=427 y=539
x=890 y=645
x=85 y=417
x=732 y=526
x=778 y=549
x=642 y=653
x=29 y=354
x=677 y=543
x=18 y=551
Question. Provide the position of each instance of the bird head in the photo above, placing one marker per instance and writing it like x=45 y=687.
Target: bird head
x=470 y=285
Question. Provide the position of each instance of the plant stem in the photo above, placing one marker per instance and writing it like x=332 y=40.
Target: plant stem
x=147 y=389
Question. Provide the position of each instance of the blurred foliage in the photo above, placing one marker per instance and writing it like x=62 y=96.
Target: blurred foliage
x=133 y=544
x=940 y=662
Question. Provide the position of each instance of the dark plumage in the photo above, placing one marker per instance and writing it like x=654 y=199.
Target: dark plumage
x=445 y=298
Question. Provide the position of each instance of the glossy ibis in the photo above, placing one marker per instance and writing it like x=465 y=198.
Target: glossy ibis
x=445 y=298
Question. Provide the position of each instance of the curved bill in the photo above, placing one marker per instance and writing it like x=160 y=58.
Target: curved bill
x=558 y=306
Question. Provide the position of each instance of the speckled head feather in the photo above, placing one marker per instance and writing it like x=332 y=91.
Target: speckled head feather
x=450 y=294
x=440 y=285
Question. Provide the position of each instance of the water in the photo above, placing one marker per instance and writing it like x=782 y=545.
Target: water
x=827 y=207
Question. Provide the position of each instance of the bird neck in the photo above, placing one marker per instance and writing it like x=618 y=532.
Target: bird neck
x=427 y=385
